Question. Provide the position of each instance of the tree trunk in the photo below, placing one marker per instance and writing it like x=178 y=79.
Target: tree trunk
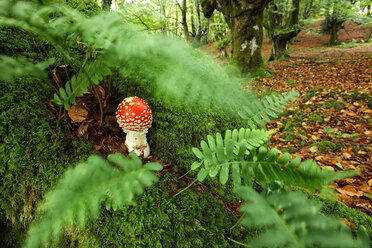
x=333 y=39
x=279 y=49
x=198 y=33
x=280 y=35
x=245 y=20
x=184 y=20
x=246 y=42
x=106 y=5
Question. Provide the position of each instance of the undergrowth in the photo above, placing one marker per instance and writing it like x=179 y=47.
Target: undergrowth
x=263 y=178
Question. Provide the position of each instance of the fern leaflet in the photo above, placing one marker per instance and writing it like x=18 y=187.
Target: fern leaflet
x=80 y=192
x=289 y=219
x=219 y=154
x=238 y=152
x=266 y=109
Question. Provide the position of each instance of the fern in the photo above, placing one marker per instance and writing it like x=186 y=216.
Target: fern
x=219 y=154
x=238 y=153
x=289 y=219
x=176 y=72
x=79 y=194
x=266 y=109
x=15 y=68
x=92 y=73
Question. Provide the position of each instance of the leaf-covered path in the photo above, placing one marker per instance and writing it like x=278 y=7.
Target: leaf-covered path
x=330 y=123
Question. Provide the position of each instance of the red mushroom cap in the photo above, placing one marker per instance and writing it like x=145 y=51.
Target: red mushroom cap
x=134 y=114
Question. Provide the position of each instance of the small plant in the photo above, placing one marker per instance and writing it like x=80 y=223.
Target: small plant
x=79 y=194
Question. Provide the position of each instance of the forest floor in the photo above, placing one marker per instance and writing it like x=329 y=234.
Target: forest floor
x=331 y=121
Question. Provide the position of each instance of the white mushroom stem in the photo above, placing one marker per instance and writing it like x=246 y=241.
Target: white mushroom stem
x=137 y=142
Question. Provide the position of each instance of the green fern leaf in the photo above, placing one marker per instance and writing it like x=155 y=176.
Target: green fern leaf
x=266 y=109
x=86 y=186
x=267 y=167
x=220 y=153
x=289 y=219
x=237 y=153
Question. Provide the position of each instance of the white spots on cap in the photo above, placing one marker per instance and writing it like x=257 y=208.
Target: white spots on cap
x=138 y=109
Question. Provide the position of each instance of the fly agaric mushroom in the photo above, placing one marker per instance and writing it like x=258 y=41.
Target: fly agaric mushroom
x=134 y=117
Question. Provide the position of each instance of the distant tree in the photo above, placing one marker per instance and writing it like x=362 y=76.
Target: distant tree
x=282 y=23
x=106 y=5
x=245 y=20
x=336 y=13
x=183 y=9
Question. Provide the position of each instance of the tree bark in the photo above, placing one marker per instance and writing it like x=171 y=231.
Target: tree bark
x=106 y=5
x=184 y=20
x=198 y=33
x=333 y=39
x=245 y=20
x=280 y=35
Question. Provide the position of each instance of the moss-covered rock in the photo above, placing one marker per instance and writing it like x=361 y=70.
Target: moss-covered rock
x=340 y=210
x=33 y=154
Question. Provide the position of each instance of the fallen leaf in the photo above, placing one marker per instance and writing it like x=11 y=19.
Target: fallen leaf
x=370 y=182
x=78 y=113
x=346 y=155
x=350 y=190
x=348 y=222
x=314 y=149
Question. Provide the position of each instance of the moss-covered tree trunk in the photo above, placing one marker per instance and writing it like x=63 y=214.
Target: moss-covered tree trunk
x=282 y=28
x=333 y=39
x=245 y=20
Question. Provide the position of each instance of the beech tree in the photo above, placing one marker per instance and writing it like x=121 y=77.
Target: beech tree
x=245 y=20
x=336 y=13
x=283 y=24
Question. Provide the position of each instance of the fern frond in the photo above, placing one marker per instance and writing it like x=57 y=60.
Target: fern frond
x=238 y=153
x=219 y=154
x=16 y=67
x=92 y=73
x=80 y=192
x=265 y=166
x=266 y=109
x=289 y=219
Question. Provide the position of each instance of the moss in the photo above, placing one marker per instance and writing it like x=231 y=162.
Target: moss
x=340 y=210
x=33 y=155
x=88 y=7
x=326 y=145
x=315 y=119
x=334 y=104
x=191 y=219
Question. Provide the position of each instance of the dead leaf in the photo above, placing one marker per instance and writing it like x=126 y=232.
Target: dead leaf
x=350 y=190
x=346 y=155
x=78 y=113
x=83 y=131
x=314 y=149
x=348 y=222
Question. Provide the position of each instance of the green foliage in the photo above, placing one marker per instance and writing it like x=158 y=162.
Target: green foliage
x=176 y=73
x=80 y=192
x=33 y=152
x=219 y=155
x=326 y=145
x=238 y=151
x=289 y=219
x=17 y=67
x=192 y=219
x=222 y=44
x=266 y=109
